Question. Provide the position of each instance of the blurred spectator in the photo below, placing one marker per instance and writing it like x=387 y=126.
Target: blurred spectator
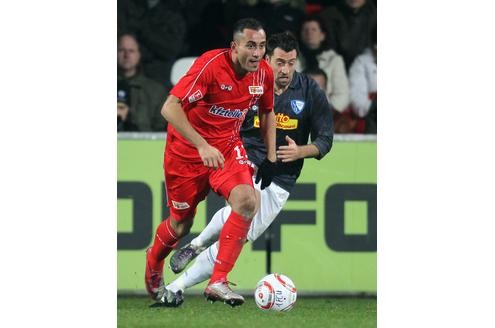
x=363 y=83
x=147 y=96
x=351 y=21
x=160 y=30
x=344 y=122
x=318 y=75
x=316 y=51
x=124 y=122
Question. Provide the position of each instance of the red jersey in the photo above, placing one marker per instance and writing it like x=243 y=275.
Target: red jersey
x=216 y=101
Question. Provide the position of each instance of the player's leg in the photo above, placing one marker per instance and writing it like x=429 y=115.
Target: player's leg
x=182 y=257
x=184 y=193
x=203 y=267
x=273 y=198
x=234 y=182
x=172 y=294
x=238 y=224
x=199 y=271
x=231 y=240
x=165 y=240
x=210 y=233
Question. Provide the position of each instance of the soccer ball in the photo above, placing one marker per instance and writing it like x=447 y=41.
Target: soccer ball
x=275 y=292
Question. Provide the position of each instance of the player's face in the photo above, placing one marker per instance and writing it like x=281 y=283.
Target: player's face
x=249 y=48
x=128 y=55
x=283 y=65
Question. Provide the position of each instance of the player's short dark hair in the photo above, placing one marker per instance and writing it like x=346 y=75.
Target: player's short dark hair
x=246 y=23
x=313 y=70
x=285 y=41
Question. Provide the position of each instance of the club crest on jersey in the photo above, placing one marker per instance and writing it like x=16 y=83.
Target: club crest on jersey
x=197 y=95
x=297 y=106
x=256 y=89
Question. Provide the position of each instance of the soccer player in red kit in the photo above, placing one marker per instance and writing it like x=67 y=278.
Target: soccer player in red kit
x=204 y=151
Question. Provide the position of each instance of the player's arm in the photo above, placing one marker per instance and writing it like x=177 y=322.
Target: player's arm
x=266 y=170
x=174 y=114
x=321 y=131
x=268 y=133
x=321 y=122
x=293 y=152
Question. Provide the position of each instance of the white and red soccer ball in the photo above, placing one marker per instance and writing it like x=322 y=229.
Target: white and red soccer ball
x=275 y=292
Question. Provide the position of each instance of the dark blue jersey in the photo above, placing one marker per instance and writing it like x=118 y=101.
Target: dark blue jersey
x=302 y=111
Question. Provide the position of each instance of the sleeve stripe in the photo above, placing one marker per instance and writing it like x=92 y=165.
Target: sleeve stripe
x=199 y=74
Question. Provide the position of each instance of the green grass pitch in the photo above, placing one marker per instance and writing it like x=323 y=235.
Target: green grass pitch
x=197 y=312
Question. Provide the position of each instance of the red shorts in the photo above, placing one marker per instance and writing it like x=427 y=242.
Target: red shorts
x=188 y=182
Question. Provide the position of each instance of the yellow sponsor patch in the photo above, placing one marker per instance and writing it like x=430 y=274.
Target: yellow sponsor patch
x=284 y=122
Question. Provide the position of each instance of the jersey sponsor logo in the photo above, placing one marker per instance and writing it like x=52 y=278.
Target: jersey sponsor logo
x=180 y=205
x=297 y=106
x=226 y=87
x=256 y=89
x=283 y=121
x=226 y=112
x=197 y=95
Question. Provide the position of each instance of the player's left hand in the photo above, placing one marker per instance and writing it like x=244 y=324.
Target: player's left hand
x=266 y=171
x=290 y=152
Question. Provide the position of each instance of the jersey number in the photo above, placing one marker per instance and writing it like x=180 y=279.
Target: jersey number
x=238 y=151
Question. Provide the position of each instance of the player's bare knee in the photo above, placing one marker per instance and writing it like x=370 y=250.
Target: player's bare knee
x=243 y=200
x=247 y=206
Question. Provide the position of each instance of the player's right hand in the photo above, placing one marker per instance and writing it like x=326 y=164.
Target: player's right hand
x=211 y=156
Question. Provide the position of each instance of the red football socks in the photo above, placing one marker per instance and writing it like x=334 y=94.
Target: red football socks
x=232 y=238
x=165 y=241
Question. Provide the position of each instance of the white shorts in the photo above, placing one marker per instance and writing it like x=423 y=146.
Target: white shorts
x=273 y=199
